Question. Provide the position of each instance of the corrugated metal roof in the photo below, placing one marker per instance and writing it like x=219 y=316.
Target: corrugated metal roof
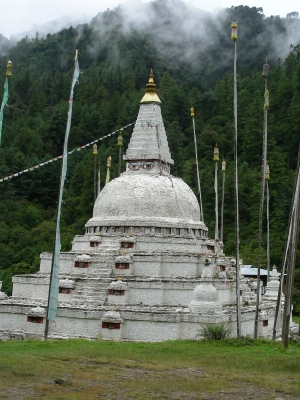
x=250 y=270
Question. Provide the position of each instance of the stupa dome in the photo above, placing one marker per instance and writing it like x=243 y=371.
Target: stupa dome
x=146 y=200
x=205 y=292
x=205 y=295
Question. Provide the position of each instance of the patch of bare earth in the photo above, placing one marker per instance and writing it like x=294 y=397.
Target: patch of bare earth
x=65 y=387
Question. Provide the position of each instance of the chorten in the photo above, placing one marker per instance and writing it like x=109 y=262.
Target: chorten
x=271 y=293
x=136 y=272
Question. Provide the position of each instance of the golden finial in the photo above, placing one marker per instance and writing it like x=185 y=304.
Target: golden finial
x=120 y=139
x=8 y=68
x=267 y=172
x=108 y=162
x=192 y=112
x=151 y=79
x=216 y=153
x=224 y=165
x=266 y=95
x=150 y=95
x=234 y=30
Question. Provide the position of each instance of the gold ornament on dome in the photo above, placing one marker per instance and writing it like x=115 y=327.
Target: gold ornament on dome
x=150 y=95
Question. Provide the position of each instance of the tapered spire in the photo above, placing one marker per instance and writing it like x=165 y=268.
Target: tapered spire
x=149 y=140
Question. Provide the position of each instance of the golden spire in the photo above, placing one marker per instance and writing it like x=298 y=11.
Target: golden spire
x=8 y=68
x=150 y=95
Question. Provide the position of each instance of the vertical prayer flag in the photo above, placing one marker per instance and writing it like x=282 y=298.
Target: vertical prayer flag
x=54 y=279
x=108 y=170
x=4 y=101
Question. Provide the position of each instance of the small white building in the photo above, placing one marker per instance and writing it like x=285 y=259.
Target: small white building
x=145 y=270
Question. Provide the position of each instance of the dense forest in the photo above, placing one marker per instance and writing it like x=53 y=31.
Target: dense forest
x=192 y=57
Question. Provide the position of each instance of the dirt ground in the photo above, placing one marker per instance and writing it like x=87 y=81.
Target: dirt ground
x=66 y=387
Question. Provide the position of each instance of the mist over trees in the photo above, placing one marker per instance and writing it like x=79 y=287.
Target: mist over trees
x=191 y=54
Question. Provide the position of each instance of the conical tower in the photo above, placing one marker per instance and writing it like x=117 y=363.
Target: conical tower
x=148 y=148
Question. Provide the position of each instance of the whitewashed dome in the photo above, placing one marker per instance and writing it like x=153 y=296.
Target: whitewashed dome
x=205 y=295
x=205 y=292
x=146 y=200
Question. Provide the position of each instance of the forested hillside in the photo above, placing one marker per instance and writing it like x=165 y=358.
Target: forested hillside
x=192 y=57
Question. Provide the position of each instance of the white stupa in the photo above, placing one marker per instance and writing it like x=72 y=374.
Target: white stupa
x=136 y=272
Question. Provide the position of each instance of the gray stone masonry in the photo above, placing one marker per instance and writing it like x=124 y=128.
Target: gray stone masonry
x=149 y=139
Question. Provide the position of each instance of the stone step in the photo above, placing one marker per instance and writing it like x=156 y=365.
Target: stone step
x=94 y=282
x=99 y=269
x=100 y=276
x=90 y=299
x=91 y=290
x=110 y=245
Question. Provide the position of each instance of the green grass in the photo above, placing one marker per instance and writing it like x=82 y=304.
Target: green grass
x=216 y=331
x=81 y=369
x=296 y=319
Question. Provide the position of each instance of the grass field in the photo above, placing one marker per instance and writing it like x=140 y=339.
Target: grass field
x=81 y=369
x=296 y=319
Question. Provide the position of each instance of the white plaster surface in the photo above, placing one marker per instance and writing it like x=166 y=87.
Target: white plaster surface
x=150 y=332
x=75 y=327
x=30 y=291
x=145 y=200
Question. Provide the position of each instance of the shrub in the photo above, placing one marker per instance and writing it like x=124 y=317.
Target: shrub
x=216 y=331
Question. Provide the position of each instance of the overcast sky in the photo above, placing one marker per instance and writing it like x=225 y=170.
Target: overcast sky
x=21 y=15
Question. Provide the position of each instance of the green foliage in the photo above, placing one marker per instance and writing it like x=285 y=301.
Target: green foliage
x=215 y=331
x=21 y=268
x=5 y=278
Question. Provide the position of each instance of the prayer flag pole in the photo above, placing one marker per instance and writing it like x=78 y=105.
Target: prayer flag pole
x=267 y=177
x=222 y=205
x=108 y=164
x=197 y=165
x=262 y=191
x=120 y=144
x=234 y=29
x=216 y=159
x=291 y=262
x=286 y=251
x=99 y=176
x=95 y=169
x=5 y=94
x=54 y=276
